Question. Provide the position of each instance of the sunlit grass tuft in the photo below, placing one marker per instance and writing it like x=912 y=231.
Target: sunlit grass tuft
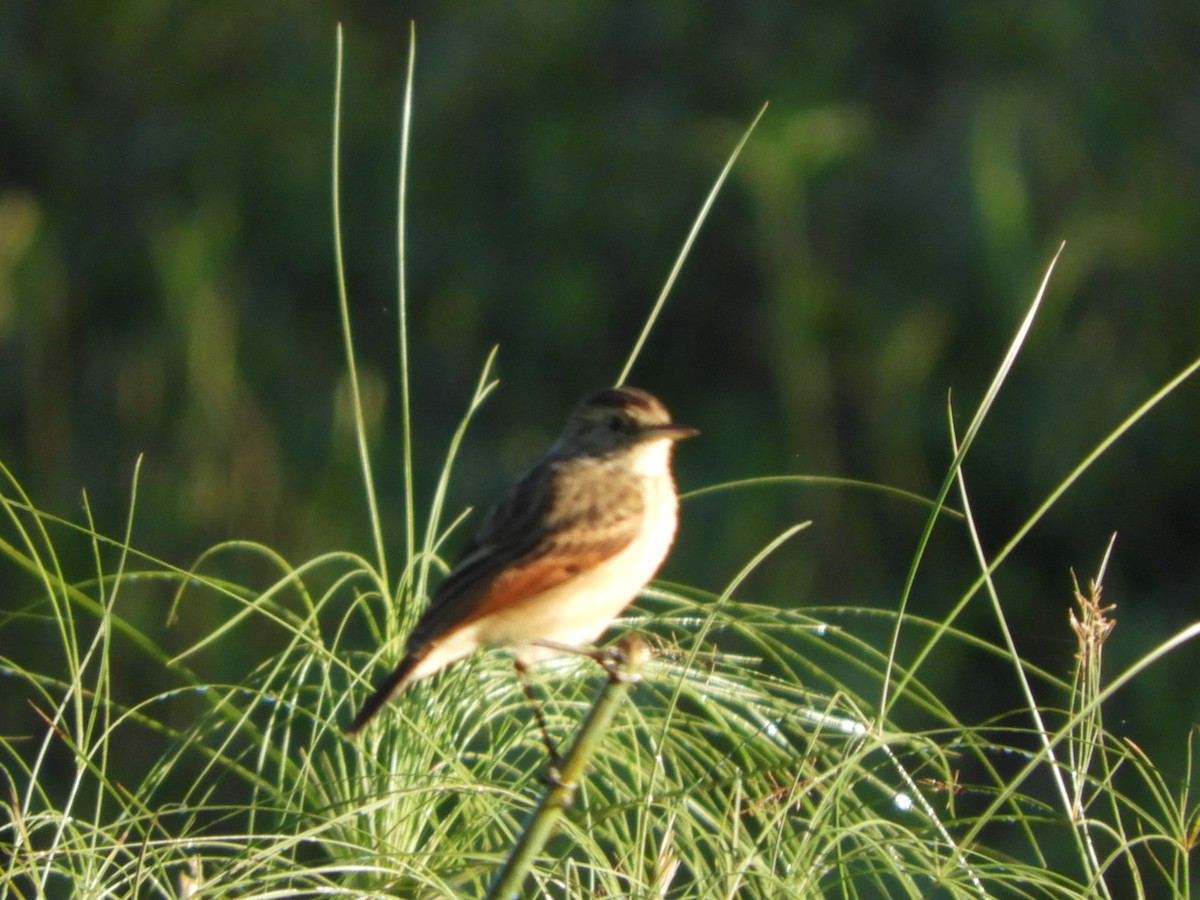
x=744 y=765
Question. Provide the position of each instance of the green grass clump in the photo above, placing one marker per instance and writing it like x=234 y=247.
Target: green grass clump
x=743 y=765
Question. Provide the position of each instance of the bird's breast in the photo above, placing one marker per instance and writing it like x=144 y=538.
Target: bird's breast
x=579 y=610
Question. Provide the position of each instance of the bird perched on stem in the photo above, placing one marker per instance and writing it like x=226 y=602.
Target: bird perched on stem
x=564 y=551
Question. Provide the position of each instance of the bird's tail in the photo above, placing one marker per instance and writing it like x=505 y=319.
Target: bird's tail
x=389 y=686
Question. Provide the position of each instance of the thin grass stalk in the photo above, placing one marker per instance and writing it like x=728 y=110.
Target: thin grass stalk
x=1014 y=783
x=483 y=387
x=1075 y=474
x=686 y=248
x=406 y=441
x=1084 y=844
x=886 y=698
x=360 y=427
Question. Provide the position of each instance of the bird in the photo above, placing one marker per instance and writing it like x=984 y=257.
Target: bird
x=564 y=551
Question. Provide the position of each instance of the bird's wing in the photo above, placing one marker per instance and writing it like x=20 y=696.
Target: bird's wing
x=524 y=548
x=531 y=541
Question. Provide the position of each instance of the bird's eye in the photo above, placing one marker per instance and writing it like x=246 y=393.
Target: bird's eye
x=616 y=423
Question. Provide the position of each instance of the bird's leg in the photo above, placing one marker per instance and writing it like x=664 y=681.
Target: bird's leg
x=626 y=657
x=523 y=678
x=611 y=659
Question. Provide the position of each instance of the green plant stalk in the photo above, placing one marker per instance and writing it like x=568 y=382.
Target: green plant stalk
x=410 y=517
x=891 y=693
x=561 y=791
x=360 y=427
x=687 y=246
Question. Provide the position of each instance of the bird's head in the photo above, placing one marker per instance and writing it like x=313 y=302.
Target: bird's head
x=617 y=419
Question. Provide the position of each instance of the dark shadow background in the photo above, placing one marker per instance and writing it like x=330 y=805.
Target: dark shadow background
x=167 y=283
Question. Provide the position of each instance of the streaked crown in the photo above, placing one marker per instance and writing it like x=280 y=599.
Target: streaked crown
x=615 y=418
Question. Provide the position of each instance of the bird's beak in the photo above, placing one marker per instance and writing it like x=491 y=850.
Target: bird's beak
x=672 y=431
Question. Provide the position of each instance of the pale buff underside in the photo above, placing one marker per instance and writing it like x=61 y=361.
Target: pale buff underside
x=578 y=611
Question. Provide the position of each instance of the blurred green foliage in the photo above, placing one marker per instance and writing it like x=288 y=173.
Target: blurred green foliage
x=167 y=282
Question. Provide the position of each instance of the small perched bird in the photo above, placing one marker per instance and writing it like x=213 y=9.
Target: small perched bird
x=565 y=550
